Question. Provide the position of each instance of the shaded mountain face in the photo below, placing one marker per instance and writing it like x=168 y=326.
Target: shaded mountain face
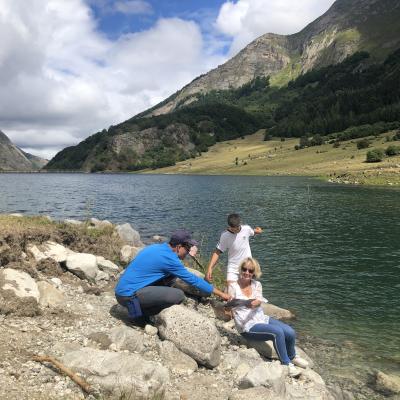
x=14 y=159
x=347 y=27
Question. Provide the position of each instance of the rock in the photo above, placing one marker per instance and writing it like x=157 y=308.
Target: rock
x=101 y=276
x=306 y=391
x=192 y=333
x=19 y=283
x=151 y=330
x=128 y=253
x=123 y=375
x=126 y=338
x=36 y=253
x=18 y=215
x=107 y=266
x=176 y=360
x=83 y=265
x=19 y=293
x=129 y=235
x=158 y=239
x=233 y=359
x=220 y=311
x=72 y=222
x=189 y=289
x=387 y=384
x=268 y=374
x=257 y=393
x=277 y=312
x=49 y=295
x=98 y=224
x=56 y=282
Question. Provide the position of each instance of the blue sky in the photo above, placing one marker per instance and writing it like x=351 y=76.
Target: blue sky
x=69 y=68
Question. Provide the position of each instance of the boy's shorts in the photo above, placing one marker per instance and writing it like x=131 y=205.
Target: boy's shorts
x=232 y=276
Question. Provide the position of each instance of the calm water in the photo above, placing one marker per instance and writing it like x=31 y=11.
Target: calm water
x=330 y=253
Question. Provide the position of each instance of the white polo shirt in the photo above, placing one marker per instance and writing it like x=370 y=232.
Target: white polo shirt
x=238 y=246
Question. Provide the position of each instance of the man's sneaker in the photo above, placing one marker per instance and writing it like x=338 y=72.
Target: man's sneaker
x=300 y=362
x=293 y=371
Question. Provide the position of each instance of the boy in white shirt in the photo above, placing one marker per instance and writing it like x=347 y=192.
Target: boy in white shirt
x=235 y=240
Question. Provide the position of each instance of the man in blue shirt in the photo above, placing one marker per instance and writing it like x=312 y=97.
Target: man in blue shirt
x=144 y=287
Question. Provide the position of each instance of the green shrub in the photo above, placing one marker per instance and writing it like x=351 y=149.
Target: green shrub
x=392 y=150
x=363 y=144
x=375 y=155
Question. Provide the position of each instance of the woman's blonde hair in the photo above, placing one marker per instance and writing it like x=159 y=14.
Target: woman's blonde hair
x=254 y=263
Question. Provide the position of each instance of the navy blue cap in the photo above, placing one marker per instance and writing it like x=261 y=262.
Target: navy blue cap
x=182 y=236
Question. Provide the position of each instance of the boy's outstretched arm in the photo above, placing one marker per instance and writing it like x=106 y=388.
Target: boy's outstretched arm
x=211 y=265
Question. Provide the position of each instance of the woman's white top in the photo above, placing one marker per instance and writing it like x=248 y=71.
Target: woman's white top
x=246 y=317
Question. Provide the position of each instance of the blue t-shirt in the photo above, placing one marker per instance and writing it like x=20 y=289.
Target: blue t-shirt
x=153 y=263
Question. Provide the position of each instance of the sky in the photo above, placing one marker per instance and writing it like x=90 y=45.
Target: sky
x=70 y=68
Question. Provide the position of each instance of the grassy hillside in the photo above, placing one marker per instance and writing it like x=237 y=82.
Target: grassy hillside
x=254 y=156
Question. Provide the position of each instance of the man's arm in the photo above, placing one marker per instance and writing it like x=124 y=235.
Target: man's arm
x=223 y=295
x=211 y=265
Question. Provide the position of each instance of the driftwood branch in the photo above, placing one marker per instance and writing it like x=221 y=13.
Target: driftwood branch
x=79 y=381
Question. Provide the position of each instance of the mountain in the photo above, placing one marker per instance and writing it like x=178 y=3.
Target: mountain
x=315 y=82
x=13 y=158
x=347 y=27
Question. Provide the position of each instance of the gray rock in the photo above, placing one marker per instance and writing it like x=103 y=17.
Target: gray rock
x=107 y=266
x=233 y=359
x=52 y=250
x=127 y=376
x=176 y=360
x=49 y=295
x=277 y=312
x=99 y=224
x=387 y=384
x=19 y=283
x=268 y=374
x=101 y=276
x=83 y=265
x=126 y=338
x=151 y=330
x=72 y=222
x=128 y=253
x=192 y=333
x=129 y=235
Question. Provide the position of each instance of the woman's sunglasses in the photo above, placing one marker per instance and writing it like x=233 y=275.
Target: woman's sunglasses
x=249 y=270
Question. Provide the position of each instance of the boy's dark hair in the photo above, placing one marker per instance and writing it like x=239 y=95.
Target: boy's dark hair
x=234 y=220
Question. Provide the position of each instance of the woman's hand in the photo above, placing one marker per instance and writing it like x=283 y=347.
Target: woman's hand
x=255 y=303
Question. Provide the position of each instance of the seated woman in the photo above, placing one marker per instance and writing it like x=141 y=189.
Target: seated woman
x=251 y=321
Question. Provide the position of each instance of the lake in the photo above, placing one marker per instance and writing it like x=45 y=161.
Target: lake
x=330 y=253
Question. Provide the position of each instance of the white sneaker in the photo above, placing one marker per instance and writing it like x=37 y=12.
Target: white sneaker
x=293 y=371
x=300 y=362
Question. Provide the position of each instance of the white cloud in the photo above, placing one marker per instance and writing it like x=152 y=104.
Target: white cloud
x=62 y=80
x=245 y=20
x=133 y=7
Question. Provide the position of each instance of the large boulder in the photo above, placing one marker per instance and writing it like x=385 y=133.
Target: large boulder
x=123 y=375
x=126 y=338
x=128 y=253
x=19 y=283
x=49 y=295
x=175 y=360
x=277 y=312
x=83 y=265
x=202 y=387
x=52 y=250
x=268 y=374
x=19 y=293
x=129 y=235
x=192 y=333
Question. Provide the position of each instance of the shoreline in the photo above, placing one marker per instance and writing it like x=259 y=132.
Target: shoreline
x=322 y=352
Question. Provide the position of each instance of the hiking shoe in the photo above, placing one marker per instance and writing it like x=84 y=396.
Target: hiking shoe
x=293 y=371
x=300 y=362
